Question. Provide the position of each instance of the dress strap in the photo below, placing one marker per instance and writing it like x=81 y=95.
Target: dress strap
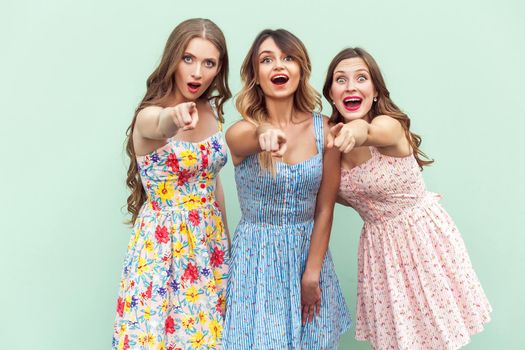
x=319 y=132
x=215 y=112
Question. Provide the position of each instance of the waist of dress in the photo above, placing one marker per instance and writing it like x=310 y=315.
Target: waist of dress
x=182 y=203
x=276 y=222
x=424 y=201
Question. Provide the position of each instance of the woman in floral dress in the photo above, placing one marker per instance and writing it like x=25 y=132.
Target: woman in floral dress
x=172 y=291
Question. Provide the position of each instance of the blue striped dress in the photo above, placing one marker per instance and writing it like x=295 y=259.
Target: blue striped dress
x=269 y=252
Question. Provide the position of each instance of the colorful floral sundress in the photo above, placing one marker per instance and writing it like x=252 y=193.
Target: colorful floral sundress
x=172 y=291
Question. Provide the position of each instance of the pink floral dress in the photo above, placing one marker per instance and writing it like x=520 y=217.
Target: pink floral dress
x=172 y=291
x=416 y=289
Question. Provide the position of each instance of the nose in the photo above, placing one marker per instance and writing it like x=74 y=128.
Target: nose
x=278 y=64
x=196 y=74
x=350 y=85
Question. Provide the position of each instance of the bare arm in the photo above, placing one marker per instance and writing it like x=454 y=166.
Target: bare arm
x=310 y=291
x=219 y=194
x=383 y=131
x=245 y=139
x=157 y=123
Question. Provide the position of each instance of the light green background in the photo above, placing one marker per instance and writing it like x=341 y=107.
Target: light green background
x=73 y=72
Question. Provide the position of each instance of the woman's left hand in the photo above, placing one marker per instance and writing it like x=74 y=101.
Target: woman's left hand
x=310 y=298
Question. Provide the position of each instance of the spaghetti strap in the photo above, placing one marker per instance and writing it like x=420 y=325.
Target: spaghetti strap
x=319 y=133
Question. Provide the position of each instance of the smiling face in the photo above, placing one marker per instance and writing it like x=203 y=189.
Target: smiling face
x=196 y=70
x=352 y=89
x=278 y=73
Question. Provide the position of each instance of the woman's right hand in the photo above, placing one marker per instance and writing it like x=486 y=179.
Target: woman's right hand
x=272 y=139
x=184 y=115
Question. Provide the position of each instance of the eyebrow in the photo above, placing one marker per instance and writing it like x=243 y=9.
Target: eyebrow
x=266 y=52
x=187 y=53
x=359 y=70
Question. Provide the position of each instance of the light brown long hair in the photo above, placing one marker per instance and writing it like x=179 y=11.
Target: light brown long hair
x=383 y=106
x=161 y=86
x=251 y=102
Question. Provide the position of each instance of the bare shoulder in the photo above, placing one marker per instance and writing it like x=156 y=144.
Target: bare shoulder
x=238 y=128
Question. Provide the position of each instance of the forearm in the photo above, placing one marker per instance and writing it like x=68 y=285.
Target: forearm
x=319 y=242
x=360 y=129
x=155 y=123
x=166 y=127
x=243 y=139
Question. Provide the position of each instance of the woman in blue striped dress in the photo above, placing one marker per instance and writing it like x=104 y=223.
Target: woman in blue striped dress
x=283 y=292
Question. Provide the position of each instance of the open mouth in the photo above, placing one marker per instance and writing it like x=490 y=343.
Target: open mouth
x=280 y=79
x=194 y=87
x=352 y=103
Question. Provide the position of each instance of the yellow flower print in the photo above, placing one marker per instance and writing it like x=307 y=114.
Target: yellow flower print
x=142 y=266
x=192 y=294
x=164 y=305
x=202 y=317
x=188 y=157
x=212 y=287
x=148 y=244
x=218 y=277
x=197 y=340
x=188 y=322
x=165 y=190
x=127 y=304
x=184 y=230
x=218 y=225
x=123 y=329
x=178 y=249
x=191 y=201
x=147 y=312
x=146 y=339
x=209 y=231
x=215 y=328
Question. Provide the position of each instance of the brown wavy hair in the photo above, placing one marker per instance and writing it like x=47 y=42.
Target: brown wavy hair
x=161 y=86
x=251 y=102
x=383 y=106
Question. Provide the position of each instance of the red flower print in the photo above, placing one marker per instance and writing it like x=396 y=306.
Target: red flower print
x=149 y=290
x=221 y=303
x=155 y=206
x=120 y=306
x=170 y=325
x=172 y=162
x=184 y=176
x=191 y=273
x=217 y=257
x=161 y=234
x=147 y=294
x=204 y=161
x=126 y=343
x=194 y=217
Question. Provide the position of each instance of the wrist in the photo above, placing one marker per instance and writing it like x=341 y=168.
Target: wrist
x=311 y=275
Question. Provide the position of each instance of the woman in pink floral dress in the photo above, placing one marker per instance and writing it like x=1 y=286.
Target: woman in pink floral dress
x=417 y=289
x=172 y=291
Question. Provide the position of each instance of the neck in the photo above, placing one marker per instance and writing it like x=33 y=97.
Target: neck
x=280 y=111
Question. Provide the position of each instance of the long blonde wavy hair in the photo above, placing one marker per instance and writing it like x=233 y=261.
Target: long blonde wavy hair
x=251 y=102
x=384 y=104
x=161 y=86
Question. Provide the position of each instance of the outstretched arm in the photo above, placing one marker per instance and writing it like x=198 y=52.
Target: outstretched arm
x=383 y=131
x=245 y=139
